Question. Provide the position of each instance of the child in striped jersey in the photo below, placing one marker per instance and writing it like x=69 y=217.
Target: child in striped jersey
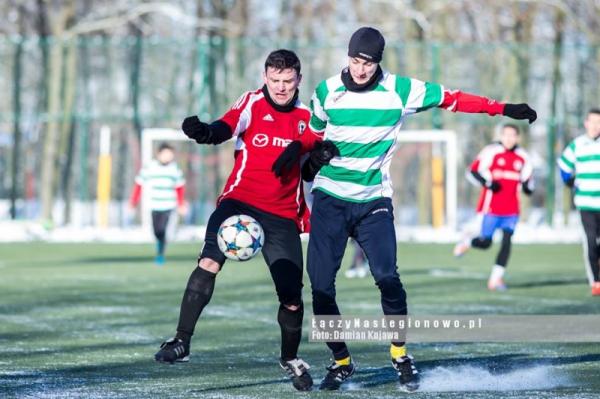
x=165 y=184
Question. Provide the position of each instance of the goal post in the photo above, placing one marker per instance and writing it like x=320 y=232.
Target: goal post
x=443 y=166
x=444 y=172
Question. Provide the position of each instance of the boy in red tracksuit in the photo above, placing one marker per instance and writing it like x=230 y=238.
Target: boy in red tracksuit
x=503 y=169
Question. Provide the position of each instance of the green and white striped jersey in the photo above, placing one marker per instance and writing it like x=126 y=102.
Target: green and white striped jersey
x=364 y=126
x=582 y=157
x=160 y=181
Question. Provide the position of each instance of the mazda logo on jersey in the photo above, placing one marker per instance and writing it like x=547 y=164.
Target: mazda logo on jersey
x=260 y=140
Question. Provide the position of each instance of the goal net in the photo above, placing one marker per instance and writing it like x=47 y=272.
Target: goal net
x=423 y=172
x=424 y=176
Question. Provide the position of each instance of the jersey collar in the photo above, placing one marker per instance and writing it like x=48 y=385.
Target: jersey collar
x=368 y=86
x=280 y=108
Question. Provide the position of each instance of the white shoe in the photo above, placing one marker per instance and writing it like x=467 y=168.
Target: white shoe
x=496 y=284
x=351 y=273
x=462 y=247
x=362 y=271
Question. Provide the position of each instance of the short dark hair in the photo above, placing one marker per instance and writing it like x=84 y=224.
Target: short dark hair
x=594 y=111
x=165 y=146
x=512 y=126
x=283 y=59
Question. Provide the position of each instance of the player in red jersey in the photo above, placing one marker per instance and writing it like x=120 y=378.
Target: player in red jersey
x=265 y=183
x=503 y=169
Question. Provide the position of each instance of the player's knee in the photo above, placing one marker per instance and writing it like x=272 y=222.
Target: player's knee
x=390 y=284
x=291 y=299
x=209 y=265
x=482 y=242
x=290 y=320
x=292 y=308
x=323 y=297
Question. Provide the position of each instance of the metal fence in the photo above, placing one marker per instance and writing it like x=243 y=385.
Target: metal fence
x=130 y=83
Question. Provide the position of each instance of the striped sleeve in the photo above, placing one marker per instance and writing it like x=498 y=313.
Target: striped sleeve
x=179 y=179
x=318 y=119
x=139 y=179
x=417 y=95
x=527 y=170
x=486 y=158
x=566 y=162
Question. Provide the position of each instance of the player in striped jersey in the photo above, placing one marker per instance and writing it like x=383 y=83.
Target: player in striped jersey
x=503 y=169
x=165 y=183
x=361 y=110
x=580 y=168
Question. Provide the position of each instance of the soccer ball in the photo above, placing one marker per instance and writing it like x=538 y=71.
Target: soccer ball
x=240 y=237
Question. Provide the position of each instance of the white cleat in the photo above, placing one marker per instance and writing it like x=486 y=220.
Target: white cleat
x=461 y=248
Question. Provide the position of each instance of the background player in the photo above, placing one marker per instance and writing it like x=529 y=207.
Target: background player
x=359 y=267
x=580 y=168
x=267 y=186
x=503 y=169
x=165 y=183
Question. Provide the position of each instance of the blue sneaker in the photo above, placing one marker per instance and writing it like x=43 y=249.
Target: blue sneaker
x=159 y=260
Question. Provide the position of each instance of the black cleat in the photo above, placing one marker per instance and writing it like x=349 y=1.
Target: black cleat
x=407 y=373
x=336 y=375
x=297 y=369
x=173 y=350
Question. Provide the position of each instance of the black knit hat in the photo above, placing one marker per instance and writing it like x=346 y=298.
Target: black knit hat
x=367 y=43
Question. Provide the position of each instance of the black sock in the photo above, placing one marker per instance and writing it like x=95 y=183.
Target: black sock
x=290 y=323
x=197 y=294
x=504 y=253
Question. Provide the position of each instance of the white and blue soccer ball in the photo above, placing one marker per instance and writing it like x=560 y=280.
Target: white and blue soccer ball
x=240 y=237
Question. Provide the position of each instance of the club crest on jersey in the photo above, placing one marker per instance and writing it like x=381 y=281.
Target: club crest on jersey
x=501 y=162
x=301 y=127
x=518 y=165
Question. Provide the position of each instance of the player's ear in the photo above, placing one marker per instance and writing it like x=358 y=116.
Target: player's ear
x=264 y=74
x=299 y=79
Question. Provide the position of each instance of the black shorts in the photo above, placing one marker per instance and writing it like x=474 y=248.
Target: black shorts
x=282 y=249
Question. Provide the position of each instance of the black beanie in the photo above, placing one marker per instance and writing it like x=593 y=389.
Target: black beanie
x=367 y=43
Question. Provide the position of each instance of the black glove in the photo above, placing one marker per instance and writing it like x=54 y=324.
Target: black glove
x=570 y=182
x=288 y=158
x=493 y=185
x=323 y=152
x=215 y=133
x=520 y=111
x=321 y=155
x=196 y=130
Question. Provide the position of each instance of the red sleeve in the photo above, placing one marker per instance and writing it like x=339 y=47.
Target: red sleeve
x=180 y=195
x=457 y=101
x=238 y=116
x=474 y=165
x=136 y=194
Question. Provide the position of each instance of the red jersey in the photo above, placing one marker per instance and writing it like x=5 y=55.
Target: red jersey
x=261 y=134
x=510 y=168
